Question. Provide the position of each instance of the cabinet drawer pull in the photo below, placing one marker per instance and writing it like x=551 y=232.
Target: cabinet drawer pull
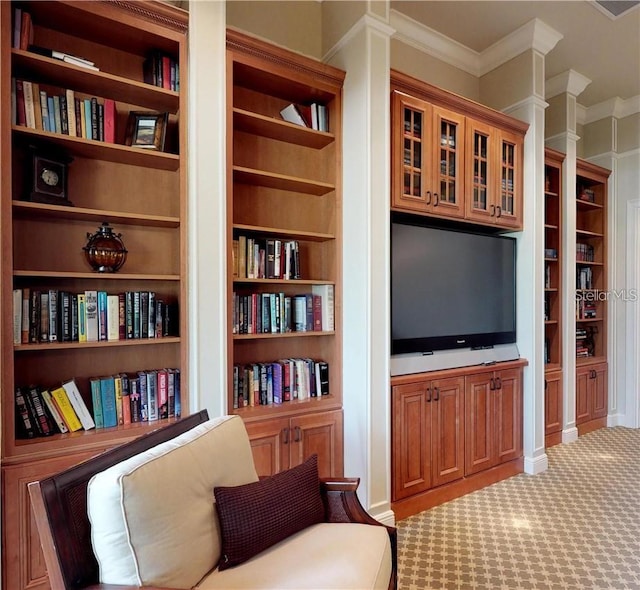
x=285 y=436
x=428 y=394
x=437 y=394
x=436 y=199
x=493 y=210
x=297 y=436
x=498 y=383
x=428 y=197
x=492 y=384
x=499 y=210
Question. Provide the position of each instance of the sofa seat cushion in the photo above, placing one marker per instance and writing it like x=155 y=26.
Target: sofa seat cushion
x=326 y=556
x=153 y=519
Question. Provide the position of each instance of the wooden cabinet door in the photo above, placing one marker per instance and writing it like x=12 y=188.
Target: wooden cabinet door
x=599 y=391
x=270 y=445
x=553 y=409
x=411 y=453
x=23 y=562
x=445 y=187
x=583 y=409
x=447 y=430
x=509 y=189
x=478 y=410
x=479 y=172
x=507 y=396
x=319 y=433
x=411 y=124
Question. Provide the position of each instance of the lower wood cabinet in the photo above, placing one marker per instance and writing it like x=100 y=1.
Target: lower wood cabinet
x=23 y=564
x=449 y=429
x=286 y=442
x=553 y=408
x=591 y=396
x=493 y=420
x=427 y=435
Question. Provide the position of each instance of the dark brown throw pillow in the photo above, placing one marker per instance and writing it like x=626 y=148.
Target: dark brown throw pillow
x=257 y=515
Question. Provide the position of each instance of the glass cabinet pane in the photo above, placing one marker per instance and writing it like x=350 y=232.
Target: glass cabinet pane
x=480 y=167
x=508 y=178
x=448 y=171
x=412 y=152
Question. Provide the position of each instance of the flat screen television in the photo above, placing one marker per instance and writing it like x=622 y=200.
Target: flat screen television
x=450 y=288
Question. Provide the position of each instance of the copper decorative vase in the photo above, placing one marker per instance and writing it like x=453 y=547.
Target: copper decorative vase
x=105 y=251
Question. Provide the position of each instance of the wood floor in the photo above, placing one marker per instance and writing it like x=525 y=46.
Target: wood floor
x=575 y=526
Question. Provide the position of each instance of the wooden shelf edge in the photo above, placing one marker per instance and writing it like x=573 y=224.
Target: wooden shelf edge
x=99 y=344
x=280 y=130
x=285 y=233
x=590 y=360
x=100 y=150
x=281 y=181
x=307 y=334
x=288 y=409
x=54 y=274
x=35 y=210
x=238 y=280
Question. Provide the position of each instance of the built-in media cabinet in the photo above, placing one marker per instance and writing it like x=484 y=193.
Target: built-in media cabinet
x=553 y=294
x=453 y=158
x=284 y=241
x=60 y=181
x=591 y=296
x=457 y=172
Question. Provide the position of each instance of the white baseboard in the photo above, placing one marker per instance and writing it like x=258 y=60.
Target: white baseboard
x=569 y=435
x=387 y=517
x=616 y=420
x=533 y=466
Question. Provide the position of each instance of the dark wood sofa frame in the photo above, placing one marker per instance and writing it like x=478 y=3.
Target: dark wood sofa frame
x=60 y=509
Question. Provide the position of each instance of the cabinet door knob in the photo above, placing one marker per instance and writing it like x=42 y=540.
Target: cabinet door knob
x=297 y=436
x=436 y=198
x=499 y=210
x=437 y=394
x=493 y=210
x=285 y=436
x=428 y=197
x=428 y=394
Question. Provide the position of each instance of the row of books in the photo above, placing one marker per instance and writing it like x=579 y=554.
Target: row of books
x=90 y=316
x=89 y=118
x=315 y=116
x=584 y=278
x=586 y=310
x=160 y=69
x=277 y=313
x=277 y=382
x=584 y=343
x=255 y=258
x=584 y=252
x=115 y=400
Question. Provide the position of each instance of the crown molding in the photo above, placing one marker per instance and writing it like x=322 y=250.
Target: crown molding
x=365 y=22
x=570 y=81
x=535 y=35
x=616 y=107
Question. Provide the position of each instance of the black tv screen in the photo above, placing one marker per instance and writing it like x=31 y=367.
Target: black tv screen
x=450 y=289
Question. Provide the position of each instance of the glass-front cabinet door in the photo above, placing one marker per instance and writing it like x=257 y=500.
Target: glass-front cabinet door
x=446 y=186
x=479 y=172
x=412 y=128
x=508 y=211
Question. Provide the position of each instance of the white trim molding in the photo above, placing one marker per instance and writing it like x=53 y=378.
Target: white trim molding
x=535 y=465
x=570 y=81
x=535 y=34
x=633 y=319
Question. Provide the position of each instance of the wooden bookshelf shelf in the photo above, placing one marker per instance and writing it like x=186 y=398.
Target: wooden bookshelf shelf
x=284 y=233
x=583 y=233
x=42 y=211
x=261 y=125
x=281 y=335
x=99 y=150
x=59 y=73
x=102 y=344
x=53 y=274
x=290 y=282
x=283 y=182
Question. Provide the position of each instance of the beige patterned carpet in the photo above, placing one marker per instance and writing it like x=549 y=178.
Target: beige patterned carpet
x=575 y=526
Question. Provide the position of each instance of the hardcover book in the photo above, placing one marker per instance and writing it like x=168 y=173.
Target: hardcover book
x=53 y=411
x=96 y=398
x=78 y=404
x=65 y=409
x=108 y=395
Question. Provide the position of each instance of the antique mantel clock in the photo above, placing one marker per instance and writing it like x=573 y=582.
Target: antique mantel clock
x=47 y=176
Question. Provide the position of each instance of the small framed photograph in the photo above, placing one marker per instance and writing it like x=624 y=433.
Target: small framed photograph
x=146 y=130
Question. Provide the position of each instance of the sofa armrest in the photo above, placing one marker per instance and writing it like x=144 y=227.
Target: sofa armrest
x=343 y=505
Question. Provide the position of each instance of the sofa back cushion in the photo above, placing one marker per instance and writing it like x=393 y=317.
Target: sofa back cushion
x=153 y=519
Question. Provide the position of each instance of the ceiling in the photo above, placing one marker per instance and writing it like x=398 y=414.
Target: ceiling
x=596 y=44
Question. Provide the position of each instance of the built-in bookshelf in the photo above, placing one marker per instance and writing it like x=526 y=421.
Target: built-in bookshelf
x=284 y=254
x=553 y=296
x=592 y=295
x=59 y=182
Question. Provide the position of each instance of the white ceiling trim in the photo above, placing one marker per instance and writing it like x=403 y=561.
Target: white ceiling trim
x=614 y=107
x=366 y=21
x=571 y=82
x=431 y=42
x=535 y=35
x=609 y=15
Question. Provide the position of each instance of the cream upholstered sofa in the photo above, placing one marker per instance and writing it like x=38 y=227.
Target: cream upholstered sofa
x=190 y=512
